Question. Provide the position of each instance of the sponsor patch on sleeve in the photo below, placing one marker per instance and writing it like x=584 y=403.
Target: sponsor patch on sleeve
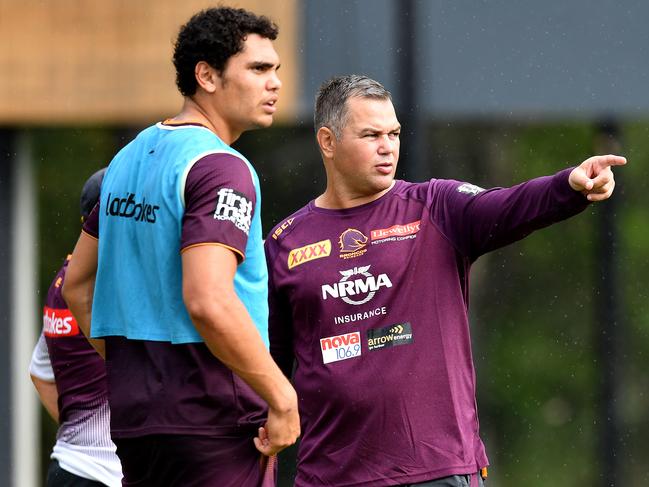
x=59 y=323
x=470 y=189
x=234 y=207
x=391 y=336
x=340 y=347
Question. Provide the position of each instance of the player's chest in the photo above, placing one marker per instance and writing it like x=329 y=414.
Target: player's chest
x=350 y=259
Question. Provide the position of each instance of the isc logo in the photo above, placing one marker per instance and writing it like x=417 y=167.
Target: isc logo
x=59 y=323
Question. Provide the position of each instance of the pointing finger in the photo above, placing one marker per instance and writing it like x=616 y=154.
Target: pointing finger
x=609 y=160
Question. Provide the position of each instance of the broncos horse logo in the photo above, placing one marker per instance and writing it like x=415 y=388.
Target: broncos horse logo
x=352 y=240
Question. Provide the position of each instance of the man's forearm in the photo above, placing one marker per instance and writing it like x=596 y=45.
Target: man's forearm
x=228 y=330
x=79 y=301
x=48 y=395
x=503 y=216
x=79 y=286
x=232 y=337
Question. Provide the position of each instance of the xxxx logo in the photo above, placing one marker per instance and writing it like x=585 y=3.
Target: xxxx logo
x=313 y=251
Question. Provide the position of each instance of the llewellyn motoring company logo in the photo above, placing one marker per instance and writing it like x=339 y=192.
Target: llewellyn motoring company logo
x=352 y=243
x=357 y=286
x=395 y=233
x=130 y=206
x=234 y=207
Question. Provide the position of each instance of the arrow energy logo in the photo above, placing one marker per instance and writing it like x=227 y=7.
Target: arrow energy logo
x=393 y=335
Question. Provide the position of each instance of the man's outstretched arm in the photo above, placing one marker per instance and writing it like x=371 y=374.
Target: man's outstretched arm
x=230 y=334
x=481 y=221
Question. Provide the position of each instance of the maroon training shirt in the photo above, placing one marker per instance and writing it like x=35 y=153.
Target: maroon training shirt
x=372 y=302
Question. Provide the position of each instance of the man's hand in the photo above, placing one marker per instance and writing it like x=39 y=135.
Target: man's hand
x=229 y=332
x=281 y=431
x=594 y=177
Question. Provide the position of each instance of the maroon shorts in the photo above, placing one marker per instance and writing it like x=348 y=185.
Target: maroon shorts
x=194 y=461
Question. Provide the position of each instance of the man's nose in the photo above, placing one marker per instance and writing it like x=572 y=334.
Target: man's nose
x=274 y=83
x=387 y=144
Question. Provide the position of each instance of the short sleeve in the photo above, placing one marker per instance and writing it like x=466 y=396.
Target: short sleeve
x=219 y=203
x=41 y=366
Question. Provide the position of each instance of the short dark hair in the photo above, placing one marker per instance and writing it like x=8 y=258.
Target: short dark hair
x=214 y=35
x=331 y=100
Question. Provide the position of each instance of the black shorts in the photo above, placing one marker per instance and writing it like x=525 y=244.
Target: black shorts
x=193 y=461
x=474 y=480
x=57 y=477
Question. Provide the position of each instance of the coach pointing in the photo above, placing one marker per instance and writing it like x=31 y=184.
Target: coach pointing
x=374 y=312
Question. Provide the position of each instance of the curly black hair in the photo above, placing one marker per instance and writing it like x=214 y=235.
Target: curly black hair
x=214 y=35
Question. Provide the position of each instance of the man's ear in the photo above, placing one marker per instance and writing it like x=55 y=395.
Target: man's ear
x=327 y=141
x=206 y=76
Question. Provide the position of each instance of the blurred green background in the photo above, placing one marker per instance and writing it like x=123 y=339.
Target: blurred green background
x=534 y=310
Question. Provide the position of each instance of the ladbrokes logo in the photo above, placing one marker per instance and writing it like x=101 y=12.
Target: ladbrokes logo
x=129 y=207
x=59 y=323
x=234 y=207
x=395 y=232
x=399 y=334
x=352 y=243
x=357 y=286
x=309 y=252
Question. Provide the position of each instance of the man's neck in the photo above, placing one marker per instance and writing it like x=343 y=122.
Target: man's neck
x=193 y=112
x=335 y=199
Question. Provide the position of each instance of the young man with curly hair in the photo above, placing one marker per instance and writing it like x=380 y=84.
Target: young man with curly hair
x=170 y=273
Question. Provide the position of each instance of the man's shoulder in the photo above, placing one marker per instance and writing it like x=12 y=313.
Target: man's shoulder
x=427 y=190
x=286 y=226
x=54 y=297
x=195 y=139
x=412 y=190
